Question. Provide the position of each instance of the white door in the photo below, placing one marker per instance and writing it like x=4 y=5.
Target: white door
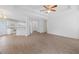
x=3 y=27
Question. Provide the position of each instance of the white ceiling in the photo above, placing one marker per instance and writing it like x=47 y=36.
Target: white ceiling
x=21 y=12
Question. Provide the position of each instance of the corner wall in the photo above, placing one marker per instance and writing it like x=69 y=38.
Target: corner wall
x=64 y=23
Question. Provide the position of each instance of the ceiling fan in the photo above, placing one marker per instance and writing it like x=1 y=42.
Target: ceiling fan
x=49 y=8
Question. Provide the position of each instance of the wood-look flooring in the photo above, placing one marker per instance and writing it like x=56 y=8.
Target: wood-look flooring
x=38 y=43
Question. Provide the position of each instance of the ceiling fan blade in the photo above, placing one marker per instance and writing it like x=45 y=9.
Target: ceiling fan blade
x=43 y=10
x=54 y=6
x=53 y=10
x=45 y=7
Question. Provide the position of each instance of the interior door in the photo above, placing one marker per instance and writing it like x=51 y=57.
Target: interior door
x=3 y=27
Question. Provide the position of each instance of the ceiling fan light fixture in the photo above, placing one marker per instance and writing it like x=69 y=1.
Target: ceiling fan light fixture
x=50 y=8
x=48 y=11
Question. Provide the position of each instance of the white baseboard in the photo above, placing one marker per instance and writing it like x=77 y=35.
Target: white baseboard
x=72 y=37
